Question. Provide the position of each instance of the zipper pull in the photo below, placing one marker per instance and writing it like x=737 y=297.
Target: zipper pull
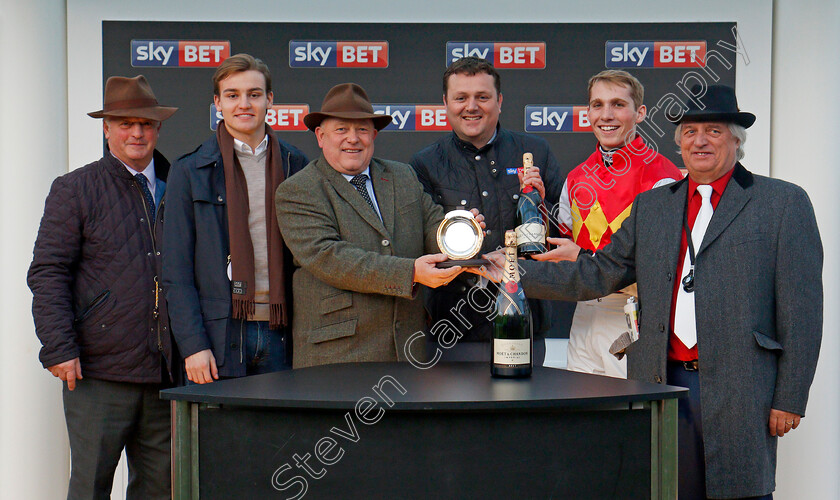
x=156 y=311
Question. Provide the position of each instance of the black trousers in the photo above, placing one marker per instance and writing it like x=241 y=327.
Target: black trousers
x=103 y=418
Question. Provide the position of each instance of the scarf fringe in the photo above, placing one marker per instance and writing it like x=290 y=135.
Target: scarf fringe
x=277 y=316
x=242 y=308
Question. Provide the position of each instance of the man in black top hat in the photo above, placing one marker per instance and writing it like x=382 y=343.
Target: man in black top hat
x=97 y=305
x=729 y=268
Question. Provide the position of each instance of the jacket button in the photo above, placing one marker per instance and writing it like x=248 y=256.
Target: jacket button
x=142 y=219
x=157 y=253
x=494 y=170
x=220 y=198
x=385 y=243
x=488 y=232
x=657 y=379
x=149 y=254
x=669 y=276
x=484 y=193
x=493 y=162
x=464 y=202
x=477 y=157
x=516 y=197
x=661 y=327
x=233 y=345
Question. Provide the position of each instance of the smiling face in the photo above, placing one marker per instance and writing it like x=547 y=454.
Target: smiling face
x=613 y=115
x=347 y=144
x=132 y=140
x=472 y=107
x=243 y=101
x=708 y=150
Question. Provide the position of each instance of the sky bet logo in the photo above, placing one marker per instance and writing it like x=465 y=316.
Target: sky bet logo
x=414 y=117
x=280 y=117
x=502 y=55
x=179 y=53
x=544 y=118
x=338 y=54
x=655 y=54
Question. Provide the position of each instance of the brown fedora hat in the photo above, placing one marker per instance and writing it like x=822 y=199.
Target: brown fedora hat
x=349 y=101
x=132 y=97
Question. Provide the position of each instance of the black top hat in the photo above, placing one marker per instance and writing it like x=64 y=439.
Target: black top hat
x=720 y=104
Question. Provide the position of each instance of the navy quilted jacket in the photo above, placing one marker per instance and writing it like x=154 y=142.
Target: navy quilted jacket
x=93 y=276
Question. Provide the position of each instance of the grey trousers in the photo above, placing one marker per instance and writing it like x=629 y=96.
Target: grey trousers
x=103 y=418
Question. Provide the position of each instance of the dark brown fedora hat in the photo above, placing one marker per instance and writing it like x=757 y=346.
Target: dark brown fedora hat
x=132 y=97
x=719 y=105
x=348 y=101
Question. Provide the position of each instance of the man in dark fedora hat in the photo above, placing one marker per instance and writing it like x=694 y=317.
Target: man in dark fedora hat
x=97 y=304
x=729 y=268
x=224 y=266
x=364 y=233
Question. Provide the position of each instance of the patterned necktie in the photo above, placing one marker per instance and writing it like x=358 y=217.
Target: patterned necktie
x=685 y=321
x=360 y=183
x=150 y=200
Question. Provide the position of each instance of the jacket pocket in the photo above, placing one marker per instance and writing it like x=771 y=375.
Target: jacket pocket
x=452 y=199
x=767 y=343
x=93 y=306
x=214 y=309
x=413 y=205
x=333 y=332
x=205 y=194
x=336 y=302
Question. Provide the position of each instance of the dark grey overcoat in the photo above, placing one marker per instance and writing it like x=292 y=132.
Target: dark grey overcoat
x=759 y=303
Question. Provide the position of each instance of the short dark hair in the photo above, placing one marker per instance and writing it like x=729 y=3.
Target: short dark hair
x=471 y=66
x=238 y=64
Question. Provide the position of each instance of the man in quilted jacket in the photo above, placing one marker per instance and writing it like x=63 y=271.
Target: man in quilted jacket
x=98 y=309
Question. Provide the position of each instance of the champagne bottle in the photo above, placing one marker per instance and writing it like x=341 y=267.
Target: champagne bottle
x=513 y=337
x=530 y=231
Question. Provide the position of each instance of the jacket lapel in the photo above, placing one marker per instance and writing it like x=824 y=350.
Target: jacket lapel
x=671 y=222
x=349 y=194
x=735 y=196
x=383 y=187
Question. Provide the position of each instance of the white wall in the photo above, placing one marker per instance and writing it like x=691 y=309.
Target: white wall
x=797 y=44
x=805 y=100
x=34 y=456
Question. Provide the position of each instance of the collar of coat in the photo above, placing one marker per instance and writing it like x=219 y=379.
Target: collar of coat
x=734 y=198
x=383 y=186
x=116 y=167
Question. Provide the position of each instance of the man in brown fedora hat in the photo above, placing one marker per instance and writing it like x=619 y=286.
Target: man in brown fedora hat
x=224 y=268
x=363 y=232
x=729 y=268
x=97 y=305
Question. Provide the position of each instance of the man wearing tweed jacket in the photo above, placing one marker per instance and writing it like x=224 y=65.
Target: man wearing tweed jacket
x=363 y=231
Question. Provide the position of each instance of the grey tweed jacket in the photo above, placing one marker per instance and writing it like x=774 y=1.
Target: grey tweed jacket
x=354 y=290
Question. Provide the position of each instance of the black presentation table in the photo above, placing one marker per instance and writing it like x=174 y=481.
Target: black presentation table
x=390 y=430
